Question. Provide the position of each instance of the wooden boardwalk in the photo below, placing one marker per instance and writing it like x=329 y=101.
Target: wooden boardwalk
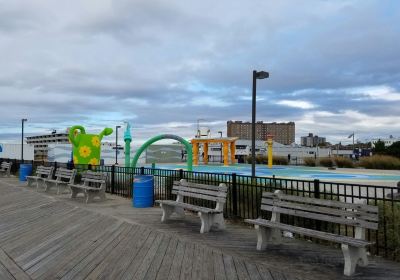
x=51 y=237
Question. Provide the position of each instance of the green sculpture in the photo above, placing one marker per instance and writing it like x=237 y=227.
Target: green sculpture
x=86 y=147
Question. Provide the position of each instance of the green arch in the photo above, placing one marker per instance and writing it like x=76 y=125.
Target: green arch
x=187 y=145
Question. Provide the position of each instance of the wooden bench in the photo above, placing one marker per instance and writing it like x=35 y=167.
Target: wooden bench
x=360 y=215
x=42 y=172
x=94 y=185
x=209 y=216
x=5 y=168
x=63 y=178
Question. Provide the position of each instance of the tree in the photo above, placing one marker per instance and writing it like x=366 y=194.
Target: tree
x=379 y=147
x=394 y=149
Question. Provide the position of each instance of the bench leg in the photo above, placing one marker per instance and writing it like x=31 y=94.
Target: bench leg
x=205 y=222
x=167 y=211
x=74 y=192
x=352 y=257
x=218 y=221
x=266 y=235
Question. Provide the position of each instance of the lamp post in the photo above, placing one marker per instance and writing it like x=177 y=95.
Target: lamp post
x=220 y=136
x=22 y=140
x=116 y=143
x=198 y=127
x=256 y=75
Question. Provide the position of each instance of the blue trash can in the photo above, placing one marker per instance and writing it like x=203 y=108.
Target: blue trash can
x=143 y=191
x=24 y=170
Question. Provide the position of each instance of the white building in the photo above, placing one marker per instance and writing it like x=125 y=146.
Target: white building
x=388 y=141
x=13 y=151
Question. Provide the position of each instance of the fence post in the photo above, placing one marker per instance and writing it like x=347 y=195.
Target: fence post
x=180 y=174
x=89 y=167
x=142 y=170
x=317 y=193
x=112 y=179
x=55 y=165
x=234 y=194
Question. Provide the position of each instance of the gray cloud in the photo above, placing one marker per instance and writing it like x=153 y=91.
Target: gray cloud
x=163 y=65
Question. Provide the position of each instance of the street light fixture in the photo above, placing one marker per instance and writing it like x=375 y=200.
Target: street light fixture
x=22 y=140
x=198 y=127
x=256 y=75
x=116 y=143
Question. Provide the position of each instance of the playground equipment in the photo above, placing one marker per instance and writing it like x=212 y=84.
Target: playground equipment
x=270 y=143
x=86 y=148
x=127 y=139
x=227 y=143
x=160 y=137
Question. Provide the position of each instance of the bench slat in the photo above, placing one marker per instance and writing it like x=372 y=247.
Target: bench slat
x=323 y=210
x=311 y=233
x=201 y=186
x=322 y=202
x=202 y=196
x=188 y=206
x=200 y=191
x=321 y=217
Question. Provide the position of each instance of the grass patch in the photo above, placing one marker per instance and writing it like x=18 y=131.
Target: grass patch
x=380 y=162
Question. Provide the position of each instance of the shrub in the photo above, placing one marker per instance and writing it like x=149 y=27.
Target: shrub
x=279 y=161
x=343 y=162
x=327 y=162
x=309 y=161
x=260 y=159
x=380 y=162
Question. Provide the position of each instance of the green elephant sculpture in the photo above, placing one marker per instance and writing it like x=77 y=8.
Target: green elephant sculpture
x=86 y=147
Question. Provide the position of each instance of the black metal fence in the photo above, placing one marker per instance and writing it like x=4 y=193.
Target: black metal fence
x=244 y=197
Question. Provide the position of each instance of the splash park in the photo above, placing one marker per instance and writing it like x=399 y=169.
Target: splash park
x=297 y=172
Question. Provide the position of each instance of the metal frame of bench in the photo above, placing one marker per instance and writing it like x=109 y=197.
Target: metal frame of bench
x=5 y=168
x=63 y=178
x=94 y=185
x=360 y=215
x=209 y=216
x=42 y=173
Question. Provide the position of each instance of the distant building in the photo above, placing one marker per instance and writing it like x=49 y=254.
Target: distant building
x=41 y=142
x=284 y=133
x=312 y=140
x=388 y=141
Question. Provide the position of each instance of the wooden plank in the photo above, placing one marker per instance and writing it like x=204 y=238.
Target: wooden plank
x=323 y=210
x=166 y=264
x=321 y=217
x=324 y=202
x=127 y=253
x=215 y=192
x=202 y=196
x=12 y=268
x=264 y=272
x=185 y=183
x=49 y=266
x=312 y=233
x=157 y=261
x=252 y=271
x=73 y=255
x=148 y=259
x=229 y=266
x=4 y=273
x=219 y=269
x=187 y=263
x=241 y=269
x=94 y=257
x=137 y=261
x=175 y=270
x=207 y=271
x=102 y=270
x=198 y=253
x=55 y=245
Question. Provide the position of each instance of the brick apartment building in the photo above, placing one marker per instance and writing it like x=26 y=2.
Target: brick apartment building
x=284 y=133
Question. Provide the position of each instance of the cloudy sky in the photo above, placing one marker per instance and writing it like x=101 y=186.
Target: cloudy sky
x=162 y=65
